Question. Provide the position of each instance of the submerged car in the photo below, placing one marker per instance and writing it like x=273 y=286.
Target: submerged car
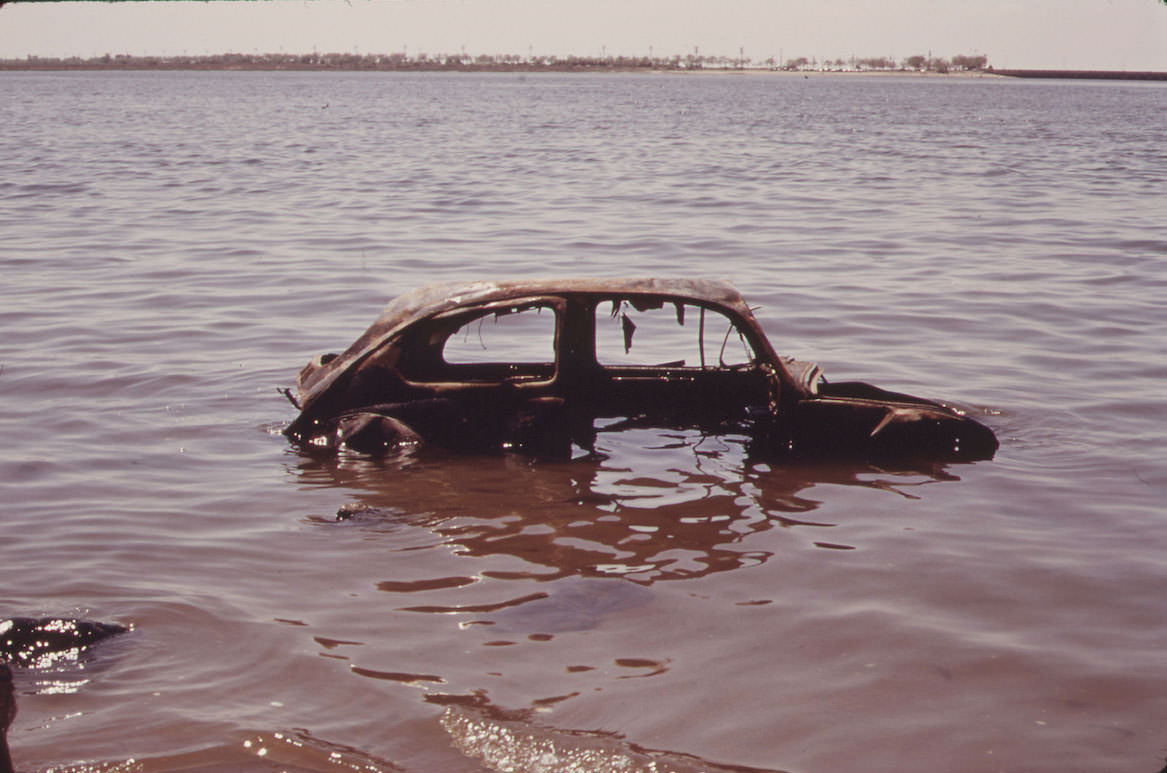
x=536 y=365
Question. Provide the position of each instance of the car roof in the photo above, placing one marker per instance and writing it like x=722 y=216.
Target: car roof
x=438 y=298
x=425 y=302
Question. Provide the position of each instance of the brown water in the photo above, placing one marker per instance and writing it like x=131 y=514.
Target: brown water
x=175 y=246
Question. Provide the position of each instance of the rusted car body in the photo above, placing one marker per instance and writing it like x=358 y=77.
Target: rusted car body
x=537 y=365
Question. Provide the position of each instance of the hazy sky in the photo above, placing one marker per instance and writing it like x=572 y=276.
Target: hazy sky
x=1084 y=34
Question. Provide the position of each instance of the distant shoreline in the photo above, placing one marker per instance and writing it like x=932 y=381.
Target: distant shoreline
x=399 y=63
x=20 y=65
x=380 y=63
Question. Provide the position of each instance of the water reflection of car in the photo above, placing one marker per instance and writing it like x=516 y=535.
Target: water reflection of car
x=650 y=506
x=532 y=365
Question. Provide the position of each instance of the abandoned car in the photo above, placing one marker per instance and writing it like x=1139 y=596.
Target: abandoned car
x=534 y=366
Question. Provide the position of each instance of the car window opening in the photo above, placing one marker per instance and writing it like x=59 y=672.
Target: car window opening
x=662 y=338
x=517 y=334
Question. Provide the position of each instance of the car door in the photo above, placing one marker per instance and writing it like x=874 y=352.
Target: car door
x=677 y=361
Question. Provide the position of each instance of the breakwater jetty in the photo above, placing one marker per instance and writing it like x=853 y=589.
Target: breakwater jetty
x=1102 y=75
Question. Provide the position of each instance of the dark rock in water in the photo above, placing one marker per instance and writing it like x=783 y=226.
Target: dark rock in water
x=29 y=641
x=34 y=642
x=7 y=714
x=353 y=512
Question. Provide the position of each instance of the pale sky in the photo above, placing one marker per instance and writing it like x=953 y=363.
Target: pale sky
x=1062 y=34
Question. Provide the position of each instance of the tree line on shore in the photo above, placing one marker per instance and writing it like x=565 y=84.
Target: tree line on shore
x=504 y=62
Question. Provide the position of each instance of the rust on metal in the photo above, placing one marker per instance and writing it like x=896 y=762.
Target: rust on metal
x=532 y=365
